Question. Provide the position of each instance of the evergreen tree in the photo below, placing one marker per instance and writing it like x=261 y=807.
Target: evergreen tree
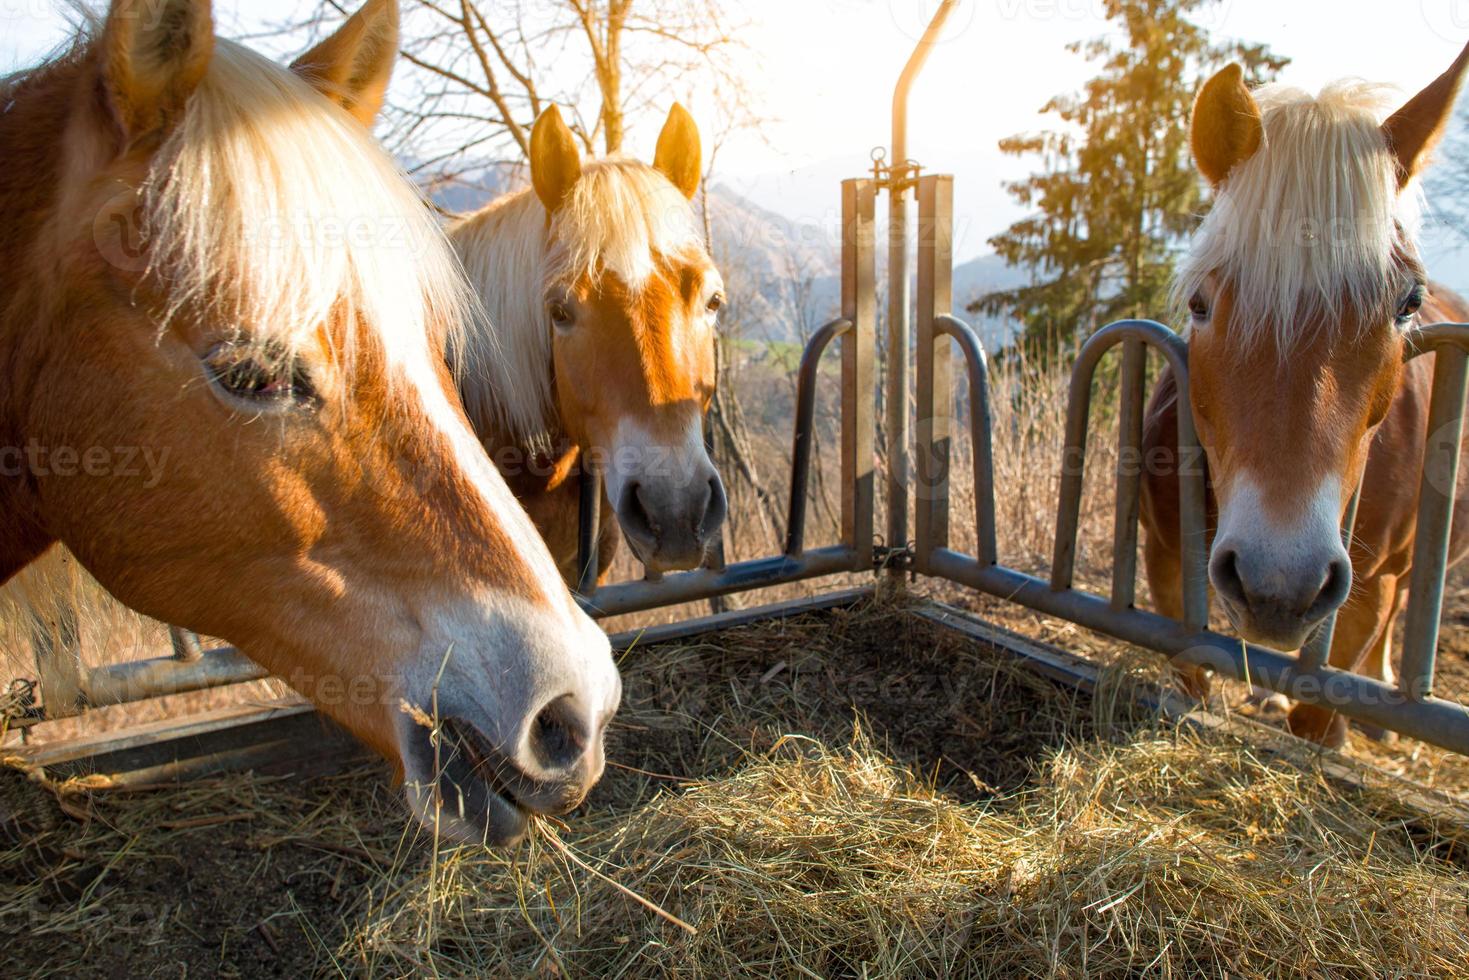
x=1117 y=192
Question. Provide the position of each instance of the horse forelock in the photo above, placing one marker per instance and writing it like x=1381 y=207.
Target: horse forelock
x=1311 y=231
x=269 y=210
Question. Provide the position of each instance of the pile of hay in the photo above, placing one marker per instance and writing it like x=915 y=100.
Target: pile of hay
x=847 y=793
x=1170 y=856
x=1114 y=847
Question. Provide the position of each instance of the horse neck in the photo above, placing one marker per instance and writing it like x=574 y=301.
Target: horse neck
x=33 y=125
x=35 y=115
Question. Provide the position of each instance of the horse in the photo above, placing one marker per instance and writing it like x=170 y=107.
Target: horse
x=207 y=259
x=1301 y=285
x=604 y=302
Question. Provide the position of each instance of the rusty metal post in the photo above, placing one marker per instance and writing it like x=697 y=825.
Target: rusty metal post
x=859 y=365
x=935 y=382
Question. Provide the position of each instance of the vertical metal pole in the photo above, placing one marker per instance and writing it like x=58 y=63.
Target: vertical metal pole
x=1129 y=475
x=57 y=647
x=1193 y=482
x=859 y=368
x=187 y=647
x=1317 y=650
x=935 y=382
x=715 y=559
x=898 y=296
x=588 y=528
x=1073 y=463
x=1436 y=490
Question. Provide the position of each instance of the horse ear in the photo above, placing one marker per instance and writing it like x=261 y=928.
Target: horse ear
x=555 y=162
x=679 y=156
x=352 y=66
x=154 y=54
x=1226 y=129
x=1416 y=128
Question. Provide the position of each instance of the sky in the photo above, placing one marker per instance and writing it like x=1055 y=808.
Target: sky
x=824 y=71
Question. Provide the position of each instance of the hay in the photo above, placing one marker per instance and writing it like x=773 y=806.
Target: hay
x=846 y=794
x=1171 y=856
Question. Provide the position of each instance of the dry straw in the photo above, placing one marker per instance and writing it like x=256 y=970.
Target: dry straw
x=813 y=799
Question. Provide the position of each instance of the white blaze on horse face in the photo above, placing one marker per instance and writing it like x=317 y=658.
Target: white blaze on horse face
x=666 y=492
x=498 y=659
x=1279 y=576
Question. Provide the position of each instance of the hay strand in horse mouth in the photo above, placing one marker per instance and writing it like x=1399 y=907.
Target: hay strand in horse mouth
x=553 y=841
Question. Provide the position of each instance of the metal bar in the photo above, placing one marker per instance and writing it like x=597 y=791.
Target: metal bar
x=1073 y=468
x=1129 y=474
x=1317 y=651
x=127 y=682
x=982 y=429
x=1434 y=720
x=859 y=370
x=715 y=557
x=56 y=645
x=898 y=290
x=1436 y=490
x=806 y=378
x=704 y=583
x=187 y=647
x=588 y=527
x=935 y=382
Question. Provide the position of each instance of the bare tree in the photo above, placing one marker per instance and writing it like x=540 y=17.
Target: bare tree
x=482 y=72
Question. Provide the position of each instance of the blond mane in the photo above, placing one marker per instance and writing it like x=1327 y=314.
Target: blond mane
x=622 y=217
x=1313 y=224
x=269 y=208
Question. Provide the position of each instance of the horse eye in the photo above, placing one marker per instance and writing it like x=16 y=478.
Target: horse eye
x=559 y=314
x=1199 y=307
x=261 y=376
x=716 y=303
x=1412 y=304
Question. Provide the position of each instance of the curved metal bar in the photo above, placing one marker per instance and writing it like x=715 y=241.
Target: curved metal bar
x=806 y=431
x=899 y=290
x=981 y=428
x=1433 y=720
x=1191 y=478
x=1437 y=488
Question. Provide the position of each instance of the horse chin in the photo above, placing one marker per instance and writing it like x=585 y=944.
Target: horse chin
x=1285 y=635
x=455 y=798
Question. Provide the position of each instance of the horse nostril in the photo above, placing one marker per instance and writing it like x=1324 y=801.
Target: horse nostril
x=1224 y=570
x=715 y=510
x=558 y=738
x=1334 y=589
x=633 y=515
